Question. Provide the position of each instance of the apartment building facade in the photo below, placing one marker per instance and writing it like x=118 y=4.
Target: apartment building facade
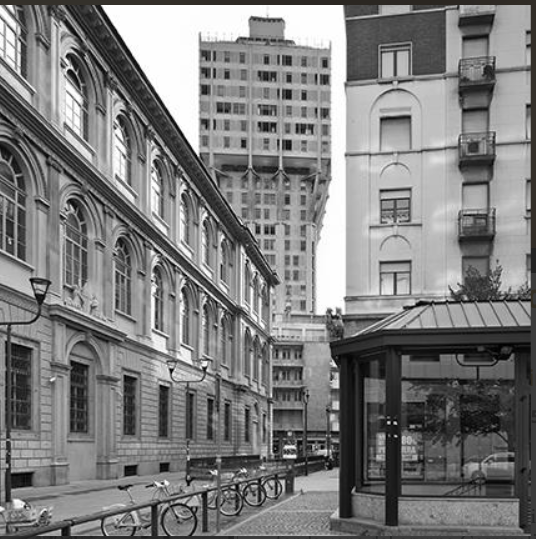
x=101 y=194
x=438 y=151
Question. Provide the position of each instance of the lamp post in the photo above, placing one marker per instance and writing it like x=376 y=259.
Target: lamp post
x=305 y=399
x=328 y=432
x=40 y=289
x=172 y=366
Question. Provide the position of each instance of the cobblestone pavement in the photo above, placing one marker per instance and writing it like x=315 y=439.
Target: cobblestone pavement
x=305 y=514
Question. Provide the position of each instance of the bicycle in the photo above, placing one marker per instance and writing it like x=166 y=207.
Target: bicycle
x=176 y=518
x=231 y=501
x=272 y=485
x=20 y=514
x=253 y=492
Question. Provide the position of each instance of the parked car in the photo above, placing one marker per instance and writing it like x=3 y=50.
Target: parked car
x=495 y=467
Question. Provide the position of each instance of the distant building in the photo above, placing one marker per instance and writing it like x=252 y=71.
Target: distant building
x=265 y=136
x=101 y=193
x=438 y=151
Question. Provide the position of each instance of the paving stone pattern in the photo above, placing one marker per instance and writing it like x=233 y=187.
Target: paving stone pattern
x=306 y=514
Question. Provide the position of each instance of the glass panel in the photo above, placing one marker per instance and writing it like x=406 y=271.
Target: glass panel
x=374 y=444
x=458 y=426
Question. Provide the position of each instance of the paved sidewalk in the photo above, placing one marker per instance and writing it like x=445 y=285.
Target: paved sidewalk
x=89 y=497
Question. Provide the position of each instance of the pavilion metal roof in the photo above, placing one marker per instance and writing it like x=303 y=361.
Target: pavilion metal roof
x=431 y=322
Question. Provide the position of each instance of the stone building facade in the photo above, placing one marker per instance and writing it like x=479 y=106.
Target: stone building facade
x=101 y=193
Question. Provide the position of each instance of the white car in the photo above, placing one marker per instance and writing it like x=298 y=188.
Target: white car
x=495 y=467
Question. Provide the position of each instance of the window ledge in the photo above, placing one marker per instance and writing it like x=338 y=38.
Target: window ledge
x=395 y=80
x=391 y=225
x=18 y=77
x=125 y=185
x=126 y=316
x=86 y=145
x=160 y=333
x=160 y=221
x=14 y=259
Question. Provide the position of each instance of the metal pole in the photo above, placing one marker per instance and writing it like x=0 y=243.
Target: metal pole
x=8 y=416
x=218 y=455
x=305 y=441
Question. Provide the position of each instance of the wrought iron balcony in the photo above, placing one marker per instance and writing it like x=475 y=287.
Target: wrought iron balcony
x=476 y=14
x=477 y=73
x=477 y=148
x=476 y=224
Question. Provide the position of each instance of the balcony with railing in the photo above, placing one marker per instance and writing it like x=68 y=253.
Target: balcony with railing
x=477 y=148
x=476 y=224
x=477 y=74
x=476 y=14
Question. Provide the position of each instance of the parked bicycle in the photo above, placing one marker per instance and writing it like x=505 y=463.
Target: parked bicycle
x=20 y=514
x=253 y=491
x=272 y=485
x=231 y=501
x=175 y=517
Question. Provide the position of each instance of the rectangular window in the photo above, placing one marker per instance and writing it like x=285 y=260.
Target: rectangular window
x=395 y=61
x=528 y=198
x=190 y=415
x=21 y=387
x=242 y=57
x=395 y=133
x=227 y=422
x=210 y=418
x=480 y=263
x=130 y=387
x=395 y=206
x=247 y=426
x=264 y=428
x=79 y=405
x=163 y=412
x=528 y=123
x=395 y=278
x=475 y=121
x=243 y=74
x=475 y=47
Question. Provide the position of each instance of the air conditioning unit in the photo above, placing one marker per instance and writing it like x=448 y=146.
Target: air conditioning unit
x=473 y=147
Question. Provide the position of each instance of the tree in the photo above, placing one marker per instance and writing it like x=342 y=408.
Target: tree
x=478 y=287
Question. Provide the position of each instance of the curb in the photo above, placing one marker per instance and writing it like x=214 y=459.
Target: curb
x=256 y=515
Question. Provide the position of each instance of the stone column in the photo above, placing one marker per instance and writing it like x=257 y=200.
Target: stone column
x=54 y=231
x=107 y=405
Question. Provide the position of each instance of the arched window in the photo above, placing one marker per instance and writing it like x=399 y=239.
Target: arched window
x=13 y=37
x=12 y=206
x=122 y=151
x=76 y=246
x=255 y=294
x=158 y=300
x=247 y=353
x=157 y=187
x=76 y=99
x=224 y=262
x=224 y=340
x=206 y=243
x=205 y=331
x=256 y=359
x=247 y=283
x=265 y=366
x=123 y=278
x=186 y=221
x=185 y=318
x=265 y=299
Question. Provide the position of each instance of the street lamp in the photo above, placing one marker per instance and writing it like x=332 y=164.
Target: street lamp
x=305 y=399
x=328 y=432
x=40 y=289
x=172 y=366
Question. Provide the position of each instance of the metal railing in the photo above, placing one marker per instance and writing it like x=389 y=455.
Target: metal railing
x=66 y=526
x=477 y=71
x=477 y=223
x=473 y=146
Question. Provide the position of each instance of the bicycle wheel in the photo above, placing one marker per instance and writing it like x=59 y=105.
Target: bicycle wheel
x=273 y=488
x=178 y=519
x=254 y=494
x=119 y=525
x=231 y=502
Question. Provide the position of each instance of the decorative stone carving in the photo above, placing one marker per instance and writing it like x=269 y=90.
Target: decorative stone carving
x=58 y=12
x=83 y=299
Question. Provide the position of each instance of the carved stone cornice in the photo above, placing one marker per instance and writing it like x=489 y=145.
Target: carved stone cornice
x=55 y=164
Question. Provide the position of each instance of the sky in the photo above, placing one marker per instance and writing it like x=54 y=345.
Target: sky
x=165 y=42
